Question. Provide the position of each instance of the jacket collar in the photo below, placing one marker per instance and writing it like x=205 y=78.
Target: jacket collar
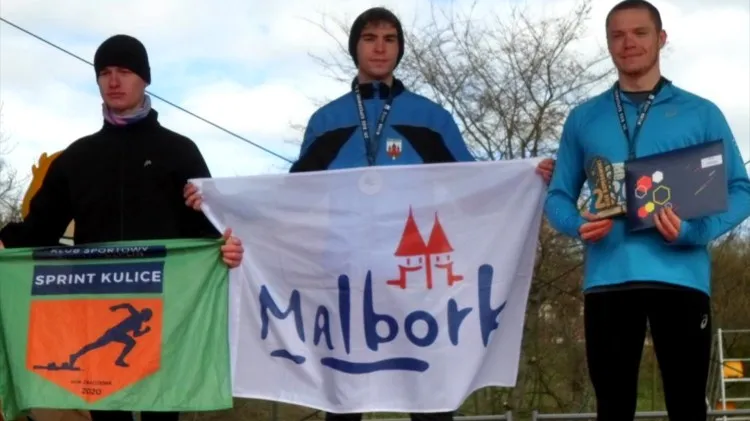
x=665 y=92
x=379 y=89
x=149 y=121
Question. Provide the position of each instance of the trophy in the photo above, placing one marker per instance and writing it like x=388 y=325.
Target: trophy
x=606 y=188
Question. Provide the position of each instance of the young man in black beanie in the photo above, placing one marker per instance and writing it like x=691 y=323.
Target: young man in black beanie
x=122 y=183
x=380 y=122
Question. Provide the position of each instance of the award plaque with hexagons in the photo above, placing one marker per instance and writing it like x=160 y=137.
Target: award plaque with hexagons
x=692 y=181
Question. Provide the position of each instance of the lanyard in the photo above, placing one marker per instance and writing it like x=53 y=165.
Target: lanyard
x=641 y=117
x=371 y=145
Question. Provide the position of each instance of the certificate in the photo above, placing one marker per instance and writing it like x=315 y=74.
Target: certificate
x=691 y=180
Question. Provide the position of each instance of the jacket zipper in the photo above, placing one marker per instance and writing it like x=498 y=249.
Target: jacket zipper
x=121 y=183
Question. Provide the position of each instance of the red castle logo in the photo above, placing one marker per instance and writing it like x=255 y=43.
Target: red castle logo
x=419 y=255
x=394 y=150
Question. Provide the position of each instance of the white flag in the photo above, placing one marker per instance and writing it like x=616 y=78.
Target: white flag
x=396 y=288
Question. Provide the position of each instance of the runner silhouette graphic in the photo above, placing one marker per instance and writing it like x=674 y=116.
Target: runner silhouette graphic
x=119 y=334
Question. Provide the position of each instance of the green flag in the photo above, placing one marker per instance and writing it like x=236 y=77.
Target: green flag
x=126 y=326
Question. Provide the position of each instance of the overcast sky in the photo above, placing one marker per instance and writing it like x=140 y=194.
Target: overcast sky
x=245 y=65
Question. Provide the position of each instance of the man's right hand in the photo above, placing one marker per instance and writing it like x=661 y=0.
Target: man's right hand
x=2 y=246
x=595 y=229
x=192 y=197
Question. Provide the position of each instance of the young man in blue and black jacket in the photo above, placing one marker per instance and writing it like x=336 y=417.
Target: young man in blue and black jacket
x=379 y=122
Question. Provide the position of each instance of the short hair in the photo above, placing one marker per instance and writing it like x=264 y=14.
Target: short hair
x=636 y=4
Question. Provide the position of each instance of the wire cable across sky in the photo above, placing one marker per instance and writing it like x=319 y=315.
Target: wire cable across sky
x=231 y=133
x=50 y=43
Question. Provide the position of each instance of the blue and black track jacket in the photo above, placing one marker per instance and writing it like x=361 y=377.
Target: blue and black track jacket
x=417 y=130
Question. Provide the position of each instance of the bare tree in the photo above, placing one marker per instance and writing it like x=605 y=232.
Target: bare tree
x=10 y=184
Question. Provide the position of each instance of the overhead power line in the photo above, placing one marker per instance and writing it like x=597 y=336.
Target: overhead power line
x=51 y=44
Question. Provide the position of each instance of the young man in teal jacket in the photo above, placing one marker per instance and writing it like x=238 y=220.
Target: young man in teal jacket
x=662 y=276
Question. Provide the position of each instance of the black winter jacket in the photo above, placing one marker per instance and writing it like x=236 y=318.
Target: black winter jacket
x=119 y=184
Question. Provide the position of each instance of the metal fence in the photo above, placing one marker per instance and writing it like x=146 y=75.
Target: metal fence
x=656 y=415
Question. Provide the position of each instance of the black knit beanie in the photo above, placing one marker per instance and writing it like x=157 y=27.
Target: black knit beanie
x=123 y=51
x=376 y=14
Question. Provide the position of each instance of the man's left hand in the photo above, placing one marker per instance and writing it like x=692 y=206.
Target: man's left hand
x=232 y=250
x=545 y=169
x=668 y=224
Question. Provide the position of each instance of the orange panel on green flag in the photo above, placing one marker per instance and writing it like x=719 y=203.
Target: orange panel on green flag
x=131 y=326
